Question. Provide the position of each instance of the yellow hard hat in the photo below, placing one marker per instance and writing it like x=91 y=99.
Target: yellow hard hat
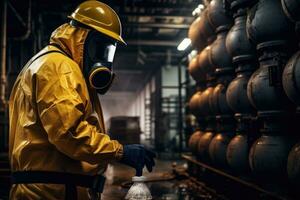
x=100 y=17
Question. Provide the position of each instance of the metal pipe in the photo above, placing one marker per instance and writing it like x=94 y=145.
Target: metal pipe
x=3 y=79
x=40 y=33
x=168 y=16
x=160 y=25
x=18 y=16
x=28 y=31
x=187 y=83
x=152 y=43
x=180 y=119
x=158 y=110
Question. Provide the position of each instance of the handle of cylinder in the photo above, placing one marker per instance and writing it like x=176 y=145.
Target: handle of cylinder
x=275 y=75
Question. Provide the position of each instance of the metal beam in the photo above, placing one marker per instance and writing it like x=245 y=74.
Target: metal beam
x=149 y=4
x=157 y=11
x=18 y=16
x=160 y=15
x=26 y=35
x=152 y=43
x=157 y=25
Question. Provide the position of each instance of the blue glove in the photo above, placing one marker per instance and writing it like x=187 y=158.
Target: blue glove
x=136 y=156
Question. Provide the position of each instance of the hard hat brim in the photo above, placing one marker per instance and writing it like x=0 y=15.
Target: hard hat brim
x=89 y=22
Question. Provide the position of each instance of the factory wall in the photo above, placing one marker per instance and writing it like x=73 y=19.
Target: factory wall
x=133 y=103
x=156 y=104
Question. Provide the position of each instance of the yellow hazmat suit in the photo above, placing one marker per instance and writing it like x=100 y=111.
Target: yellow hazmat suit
x=56 y=123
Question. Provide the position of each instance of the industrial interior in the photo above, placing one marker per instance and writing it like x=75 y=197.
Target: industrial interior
x=212 y=87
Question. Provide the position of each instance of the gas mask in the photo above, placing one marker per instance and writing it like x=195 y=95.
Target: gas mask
x=98 y=56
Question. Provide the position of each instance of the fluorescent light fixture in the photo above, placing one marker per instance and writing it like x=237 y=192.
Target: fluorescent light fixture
x=184 y=44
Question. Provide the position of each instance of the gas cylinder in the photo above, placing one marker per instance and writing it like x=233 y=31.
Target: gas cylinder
x=218 y=99
x=244 y=59
x=218 y=148
x=219 y=143
x=291 y=9
x=204 y=103
x=236 y=94
x=206 y=28
x=196 y=71
x=270 y=152
x=235 y=4
x=220 y=58
x=238 y=152
x=291 y=78
x=203 y=145
x=197 y=38
x=193 y=141
x=237 y=43
x=217 y=15
x=267 y=24
x=204 y=141
x=293 y=166
x=203 y=61
x=201 y=32
x=270 y=30
x=194 y=105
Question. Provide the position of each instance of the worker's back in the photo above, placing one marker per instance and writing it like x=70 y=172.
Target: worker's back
x=30 y=148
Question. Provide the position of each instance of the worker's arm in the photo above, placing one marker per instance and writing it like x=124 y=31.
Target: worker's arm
x=62 y=97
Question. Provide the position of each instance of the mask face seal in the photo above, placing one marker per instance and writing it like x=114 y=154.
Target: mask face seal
x=98 y=56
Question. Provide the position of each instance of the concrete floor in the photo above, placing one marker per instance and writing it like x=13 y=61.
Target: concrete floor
x=118 y=174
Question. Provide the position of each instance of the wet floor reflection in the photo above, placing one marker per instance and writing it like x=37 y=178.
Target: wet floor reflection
x=119 y=176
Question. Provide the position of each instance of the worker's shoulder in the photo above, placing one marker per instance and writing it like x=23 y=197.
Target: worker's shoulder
x=55 y=63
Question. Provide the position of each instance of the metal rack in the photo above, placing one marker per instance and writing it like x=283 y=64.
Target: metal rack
x=183 y=100
x=169 y=116
x=148 y=119
x=237 y=187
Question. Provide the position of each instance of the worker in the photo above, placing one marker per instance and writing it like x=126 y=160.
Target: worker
x=58 y=148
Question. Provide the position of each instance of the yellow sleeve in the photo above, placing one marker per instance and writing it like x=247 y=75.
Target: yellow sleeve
x=62 y=97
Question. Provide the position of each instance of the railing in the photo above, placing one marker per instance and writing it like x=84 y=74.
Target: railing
x=237 y=187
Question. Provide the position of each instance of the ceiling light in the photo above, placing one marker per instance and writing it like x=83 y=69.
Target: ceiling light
x=201 y=6
x=184 y=44
x=198 y=10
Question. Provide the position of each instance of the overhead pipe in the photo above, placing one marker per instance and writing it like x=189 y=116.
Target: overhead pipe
x=153 y=43
x=28 y=30
x=160 y=25
x=3 y=79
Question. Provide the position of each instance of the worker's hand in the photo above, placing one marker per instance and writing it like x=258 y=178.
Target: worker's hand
x=137 y=156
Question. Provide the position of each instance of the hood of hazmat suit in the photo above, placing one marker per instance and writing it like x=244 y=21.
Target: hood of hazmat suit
x=56 y=122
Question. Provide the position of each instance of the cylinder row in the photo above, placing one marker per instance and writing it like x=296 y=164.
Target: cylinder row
x=247 y=74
